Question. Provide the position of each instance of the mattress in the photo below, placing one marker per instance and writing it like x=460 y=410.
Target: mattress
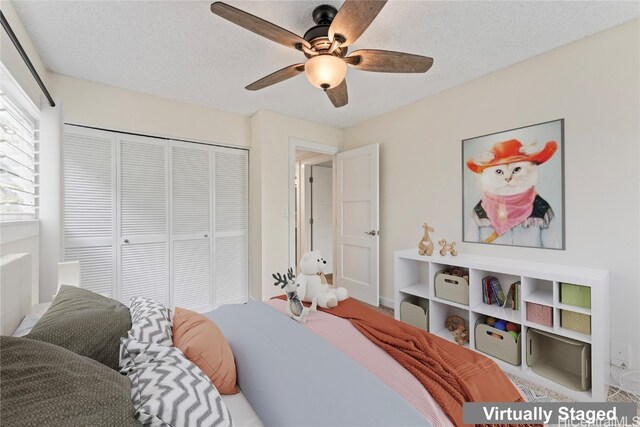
x=241 y=411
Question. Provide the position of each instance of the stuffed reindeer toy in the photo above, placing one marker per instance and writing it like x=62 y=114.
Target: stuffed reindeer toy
x=295 y=309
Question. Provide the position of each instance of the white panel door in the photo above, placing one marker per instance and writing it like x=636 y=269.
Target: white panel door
x=358 y=228
x=144 y=218
x=89 y=175
x=322 y=214
x=191 y=205
x=231 y=226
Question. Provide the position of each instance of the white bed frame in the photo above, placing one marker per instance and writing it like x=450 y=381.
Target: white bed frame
x=17 y=298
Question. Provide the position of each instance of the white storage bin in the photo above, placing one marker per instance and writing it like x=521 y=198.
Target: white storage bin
x=452 y=288
x=562 y=360
x=497 y=343
x=415 y=312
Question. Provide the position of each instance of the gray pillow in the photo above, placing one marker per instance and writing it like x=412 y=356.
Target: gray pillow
x=46 y=385
x=168 y=389
x=150 y=321
x=85 y=323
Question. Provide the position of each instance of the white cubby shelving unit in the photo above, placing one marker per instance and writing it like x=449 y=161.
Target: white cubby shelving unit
x=540 y=284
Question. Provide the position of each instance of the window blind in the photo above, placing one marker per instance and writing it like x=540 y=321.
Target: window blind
x=18 y=152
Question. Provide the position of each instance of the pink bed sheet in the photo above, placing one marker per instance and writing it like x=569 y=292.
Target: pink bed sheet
x=343 y=335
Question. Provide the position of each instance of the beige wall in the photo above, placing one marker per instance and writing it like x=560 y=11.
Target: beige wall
x=94 y=104
x=255 y=208
x=594 y=85
x=271 y=135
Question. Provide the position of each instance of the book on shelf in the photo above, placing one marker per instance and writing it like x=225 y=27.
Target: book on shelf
x=513 y=296
x=498 y=292
x=487 y=294
x=492 y=293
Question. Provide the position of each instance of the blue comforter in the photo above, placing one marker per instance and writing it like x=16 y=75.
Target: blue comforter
x=293 y=377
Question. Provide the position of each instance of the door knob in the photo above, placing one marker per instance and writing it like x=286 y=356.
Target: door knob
x=371 y=233
x=206 y=235
x=126 y=240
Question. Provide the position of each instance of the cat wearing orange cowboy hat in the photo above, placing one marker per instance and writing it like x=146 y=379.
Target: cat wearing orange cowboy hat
x=511 y=211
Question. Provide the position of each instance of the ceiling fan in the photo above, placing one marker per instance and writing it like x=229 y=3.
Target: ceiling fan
x=325 y=45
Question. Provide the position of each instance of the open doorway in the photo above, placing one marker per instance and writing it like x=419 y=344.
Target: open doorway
x=314 y=206
x=355 y=233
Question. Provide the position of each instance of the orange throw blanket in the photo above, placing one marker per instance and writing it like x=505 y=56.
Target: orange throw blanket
x=451 y=373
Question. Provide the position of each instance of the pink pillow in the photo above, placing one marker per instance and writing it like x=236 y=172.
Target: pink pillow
x=202 y=342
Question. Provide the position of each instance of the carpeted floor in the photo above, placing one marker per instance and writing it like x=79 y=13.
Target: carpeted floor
x=382 y=309
x=536 y=393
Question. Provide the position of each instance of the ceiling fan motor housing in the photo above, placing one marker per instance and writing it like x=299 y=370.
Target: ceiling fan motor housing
x=317 y=32
x=318 y=35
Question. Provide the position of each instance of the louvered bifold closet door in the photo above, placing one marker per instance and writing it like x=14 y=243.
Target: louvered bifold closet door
x=231 y=218
x=144 y=218
x=89 y=171
x=191 y=226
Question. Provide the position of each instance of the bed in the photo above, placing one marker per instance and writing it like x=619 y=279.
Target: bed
x=325 y=372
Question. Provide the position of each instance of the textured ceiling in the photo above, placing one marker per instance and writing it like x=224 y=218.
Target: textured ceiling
x=180 y=50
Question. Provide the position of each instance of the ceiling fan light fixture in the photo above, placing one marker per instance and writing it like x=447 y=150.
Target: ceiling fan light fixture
x=326 y=45
x=325 y=71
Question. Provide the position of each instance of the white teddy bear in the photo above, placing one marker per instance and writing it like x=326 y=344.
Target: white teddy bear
x=311 y=287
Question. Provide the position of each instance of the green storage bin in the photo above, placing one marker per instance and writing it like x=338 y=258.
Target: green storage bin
x=575 y=295
x=578 y=322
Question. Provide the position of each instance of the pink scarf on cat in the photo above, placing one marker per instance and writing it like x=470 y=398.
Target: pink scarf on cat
x=504 y=212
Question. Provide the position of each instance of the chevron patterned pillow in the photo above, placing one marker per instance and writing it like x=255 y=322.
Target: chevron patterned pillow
x=150 y=321
x=168 y=389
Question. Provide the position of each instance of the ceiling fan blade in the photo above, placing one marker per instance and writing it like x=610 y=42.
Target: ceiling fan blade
x=386 y=61
x=277 y=77
x=258 y=25
x=353 y=18
x=339 y=95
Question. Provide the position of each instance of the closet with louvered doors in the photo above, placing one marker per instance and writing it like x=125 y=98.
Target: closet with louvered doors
x=191 y=214
x=89 y=206
x=231 y=226
x=157 y=218
x=143 y=218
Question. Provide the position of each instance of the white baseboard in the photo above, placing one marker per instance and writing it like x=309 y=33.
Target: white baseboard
x=387 y=302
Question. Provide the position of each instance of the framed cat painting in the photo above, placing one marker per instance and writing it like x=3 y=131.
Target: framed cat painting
x=513 y=187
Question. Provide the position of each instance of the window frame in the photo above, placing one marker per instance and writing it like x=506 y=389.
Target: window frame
x=21 y=101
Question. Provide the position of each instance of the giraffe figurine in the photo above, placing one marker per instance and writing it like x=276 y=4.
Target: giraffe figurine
x=425 y=246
